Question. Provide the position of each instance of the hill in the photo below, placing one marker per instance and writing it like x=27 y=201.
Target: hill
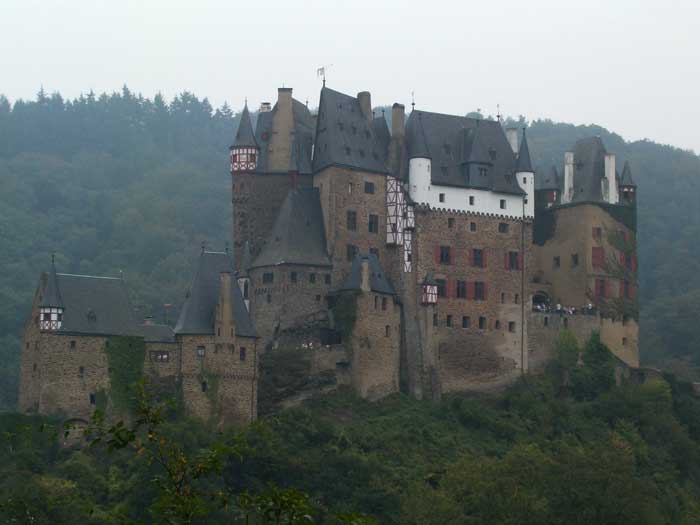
x=121 y=183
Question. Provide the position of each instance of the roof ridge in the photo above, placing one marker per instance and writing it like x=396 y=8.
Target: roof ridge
x=90 y=276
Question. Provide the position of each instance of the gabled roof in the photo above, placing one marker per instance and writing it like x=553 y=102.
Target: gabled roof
x=547 y=181
x=378 y=280
x=157 y=333
x=454 y=143
x=298 y=236
x=524 y=164
x=304 y=128
x=589 y=169
x=93 y=305
x=626 y=179
x=345 y=137
x=244 y=134
x=52 y=294
x=199 y=311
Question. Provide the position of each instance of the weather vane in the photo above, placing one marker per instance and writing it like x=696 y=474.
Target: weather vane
x=321 y=72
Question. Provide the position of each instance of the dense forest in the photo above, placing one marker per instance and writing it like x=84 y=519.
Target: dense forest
x=566 y=448
x=121 y=183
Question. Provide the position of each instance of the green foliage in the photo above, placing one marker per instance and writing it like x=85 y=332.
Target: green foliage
x=345 y=313
x=567 y=350
x=125 y=358
x=598 y=373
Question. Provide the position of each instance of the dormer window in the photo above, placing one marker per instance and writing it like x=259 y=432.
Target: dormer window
x=430 y=294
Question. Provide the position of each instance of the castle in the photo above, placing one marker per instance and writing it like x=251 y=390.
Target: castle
x=427 y=258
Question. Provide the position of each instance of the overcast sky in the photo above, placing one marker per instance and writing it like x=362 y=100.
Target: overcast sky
x=632 y=66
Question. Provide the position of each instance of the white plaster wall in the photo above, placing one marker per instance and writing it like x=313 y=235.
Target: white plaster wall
x=526 y=180
x=423 y=191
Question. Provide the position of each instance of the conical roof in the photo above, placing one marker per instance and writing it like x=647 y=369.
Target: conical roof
x=549 y=181
x=52 y=294
x=245 y=135
x=524 y=163
x=626 y=179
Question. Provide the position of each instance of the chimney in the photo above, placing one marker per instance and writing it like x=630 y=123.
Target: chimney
x=265 y=107
x=224 y=324
x=365 y=100
x=610 y=175
x=280 y=145
x=398 y=120
x=568 y=193
x=512 y=136
x=364 y=282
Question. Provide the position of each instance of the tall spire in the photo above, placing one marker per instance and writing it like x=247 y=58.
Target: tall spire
x=626 y=179
x=524 y=164
x=52 y=294
x=245 y=135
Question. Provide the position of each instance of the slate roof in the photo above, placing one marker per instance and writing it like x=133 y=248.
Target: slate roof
x=524 y=163
x=345 y=137
x=589 y=169
x=52 y=293
x=199 y=311
x=626 y=179
x=454 y=143
x=298 y=236
x=304 y=128
x=378 y=280
x=93 y=305
x=547 y=181
x=157 y=333
x=244 y=134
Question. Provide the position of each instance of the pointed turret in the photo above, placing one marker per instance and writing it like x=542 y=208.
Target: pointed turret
x=52 y=306
x=628 y=189
x=244 y=150
x=524 y=164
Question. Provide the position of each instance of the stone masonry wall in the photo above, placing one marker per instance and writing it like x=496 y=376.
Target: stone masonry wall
x=473 y=357
x=283 y=304
x=223 y=382
x=375 y=346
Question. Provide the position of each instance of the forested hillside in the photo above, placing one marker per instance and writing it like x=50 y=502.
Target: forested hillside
x=119 y=182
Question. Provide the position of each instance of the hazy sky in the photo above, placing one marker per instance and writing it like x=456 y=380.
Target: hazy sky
x=631 y=66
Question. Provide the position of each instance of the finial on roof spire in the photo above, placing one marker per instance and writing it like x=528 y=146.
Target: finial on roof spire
x=498 y=112
x=413 y=100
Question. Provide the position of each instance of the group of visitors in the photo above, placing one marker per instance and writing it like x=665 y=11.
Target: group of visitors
x=588 y=309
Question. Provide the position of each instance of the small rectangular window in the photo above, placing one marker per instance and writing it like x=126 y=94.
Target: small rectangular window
x=600 y=287
x=513 y=261
x=72 y=344
x=200 y=352
x=384 y=303
x=445 y=255
x=471 y=200
x=441 y=287
x=268 y=277
x=387 y=331
x=241 y=353
x=574 y=260
x=351 y=187
x=479 y=291
x=556 y=262
x=472 y=226
x=482 y=323
x=511 y=326
x=352 y=220
x=312 y=278
x=351 y=251
x=503 y=204
x=448 y=320
x=502 y=227
x=369 y=187
x=450 y=223
x=597 y=232
x=462 y=289
x=465 y=321
x=293 y=277
x=373 y=225
x=442 y=197
x=497 y=325
x=93 y=399
x=478 y=257
x=327 y=278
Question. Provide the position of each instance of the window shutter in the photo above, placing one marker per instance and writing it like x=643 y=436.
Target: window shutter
x=608 y=288
x=622 y=259
x=454 y=287
x=634 y=262
x=520 y=261
x=437 y=255
x=470 y=290
x=486 y=291
x=483 y=257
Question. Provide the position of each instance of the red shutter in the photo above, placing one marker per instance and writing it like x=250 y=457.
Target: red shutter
x=486 y=291
x=622 y=259
x=520 y=261
x=505 y=262
x=437 y=255
x=608 y=288
x=597 y=256
x=470 y=290
x=484 y=257
x=634 y=262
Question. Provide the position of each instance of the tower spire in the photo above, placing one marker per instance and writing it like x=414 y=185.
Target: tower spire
x=524 y=163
